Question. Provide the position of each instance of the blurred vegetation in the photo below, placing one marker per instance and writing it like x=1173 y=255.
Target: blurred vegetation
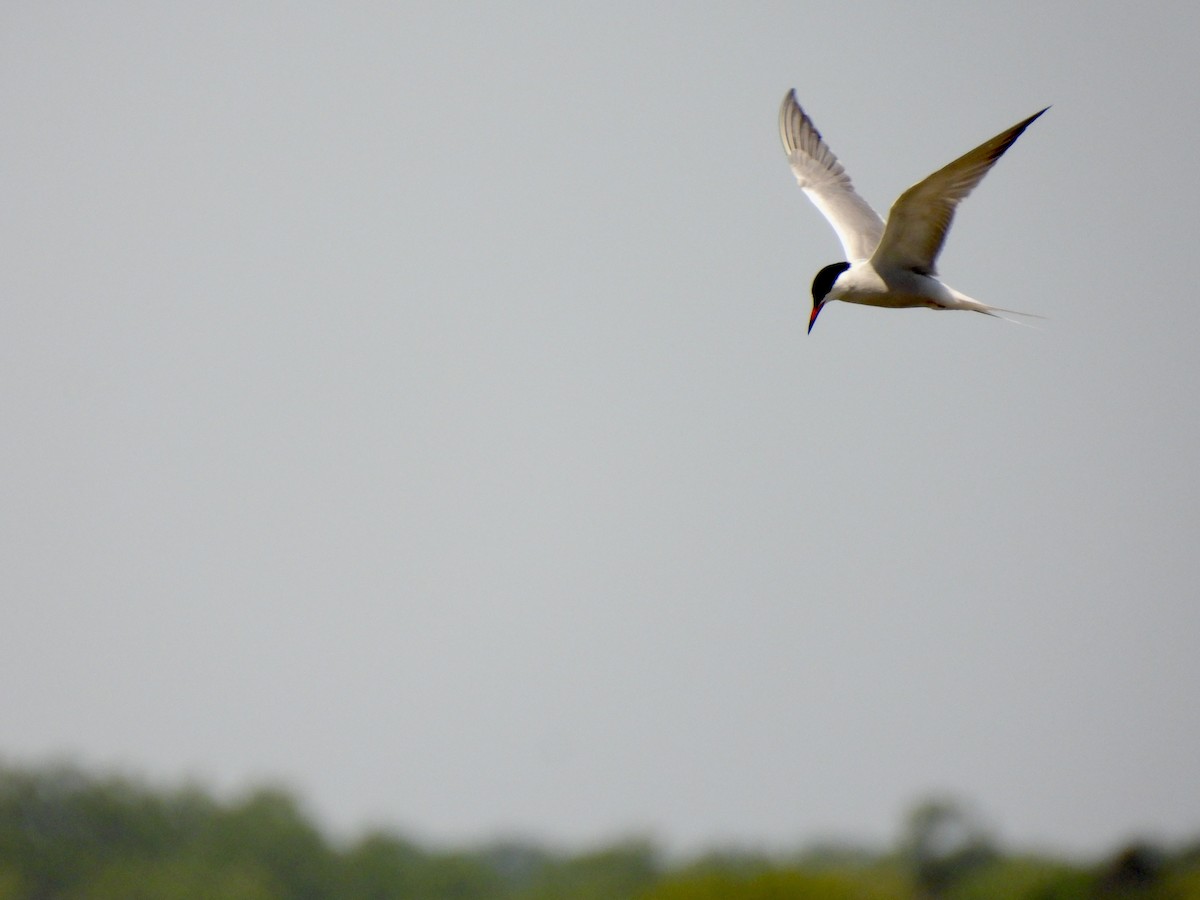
x=69 y=835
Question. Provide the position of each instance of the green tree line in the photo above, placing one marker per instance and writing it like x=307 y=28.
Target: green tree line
x=67 y=834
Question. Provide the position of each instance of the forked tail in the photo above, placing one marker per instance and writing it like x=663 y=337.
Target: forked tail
x=962 y=301
x=995 y=311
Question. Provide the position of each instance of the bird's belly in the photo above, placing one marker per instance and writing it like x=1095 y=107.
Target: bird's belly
x=890 y=299
x=869 y=288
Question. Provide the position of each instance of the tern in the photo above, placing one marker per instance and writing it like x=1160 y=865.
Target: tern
x=888 y=264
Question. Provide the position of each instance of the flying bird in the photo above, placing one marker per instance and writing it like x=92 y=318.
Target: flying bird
x=888 y=264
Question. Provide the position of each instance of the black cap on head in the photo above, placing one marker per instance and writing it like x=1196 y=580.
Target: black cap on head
x=822 y=285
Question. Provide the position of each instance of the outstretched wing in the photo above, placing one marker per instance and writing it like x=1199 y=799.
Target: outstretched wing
x=919 y=219
x=826 y=183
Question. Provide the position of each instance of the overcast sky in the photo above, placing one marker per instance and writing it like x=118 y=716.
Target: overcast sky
x=412 y=403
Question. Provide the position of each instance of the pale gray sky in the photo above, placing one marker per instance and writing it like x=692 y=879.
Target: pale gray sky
x=412 y=403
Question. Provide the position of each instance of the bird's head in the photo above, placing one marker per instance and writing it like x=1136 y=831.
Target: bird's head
x=821 y=287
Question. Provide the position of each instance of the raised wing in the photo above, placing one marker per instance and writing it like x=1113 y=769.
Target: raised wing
x=826 y=183
x=921 y=216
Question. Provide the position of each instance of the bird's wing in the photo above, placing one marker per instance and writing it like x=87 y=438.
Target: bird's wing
x=826 y=182
x=920 y=218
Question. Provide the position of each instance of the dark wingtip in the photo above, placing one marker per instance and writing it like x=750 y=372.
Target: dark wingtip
x=1010 y=137
x=1032 y=118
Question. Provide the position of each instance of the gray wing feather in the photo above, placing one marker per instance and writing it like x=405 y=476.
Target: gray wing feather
x=826 y=183
x=921 y=216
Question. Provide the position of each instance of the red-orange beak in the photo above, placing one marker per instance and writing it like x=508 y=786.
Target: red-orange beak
x=813 y=318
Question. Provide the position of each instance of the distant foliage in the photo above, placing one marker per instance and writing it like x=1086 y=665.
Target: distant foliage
x=781 y=884
x=944 y=844
x=68 y=835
